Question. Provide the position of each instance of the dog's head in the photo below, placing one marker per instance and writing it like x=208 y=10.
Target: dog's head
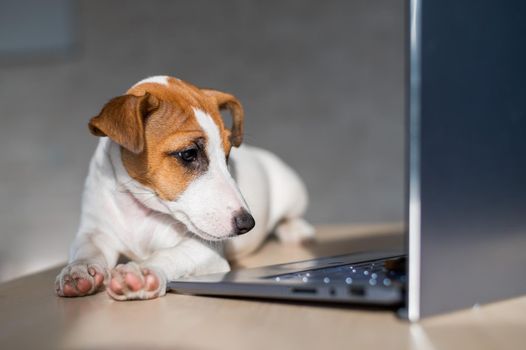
x=175 y=143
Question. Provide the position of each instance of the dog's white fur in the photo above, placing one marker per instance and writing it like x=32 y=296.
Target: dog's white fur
x=180 y=238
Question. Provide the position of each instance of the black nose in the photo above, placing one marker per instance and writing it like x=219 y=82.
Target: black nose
x=243 y=222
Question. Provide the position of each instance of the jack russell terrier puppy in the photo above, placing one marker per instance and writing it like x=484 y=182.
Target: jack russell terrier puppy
x=165 y=188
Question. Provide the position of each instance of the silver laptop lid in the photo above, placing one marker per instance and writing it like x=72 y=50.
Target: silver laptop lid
x=467 y=154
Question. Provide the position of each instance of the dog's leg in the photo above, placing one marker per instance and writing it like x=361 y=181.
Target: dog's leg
x=147 y=279
x=87 y=270
x=295 y=230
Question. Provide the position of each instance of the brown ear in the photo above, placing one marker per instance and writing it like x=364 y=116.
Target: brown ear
x=122 y=120
x=227 y=101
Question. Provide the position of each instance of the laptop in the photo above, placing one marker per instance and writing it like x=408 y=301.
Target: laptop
x=466 y=179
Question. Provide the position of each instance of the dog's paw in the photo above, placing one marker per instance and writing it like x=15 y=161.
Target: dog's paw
x=131 y=281
x=294 y=230
x=79 y=279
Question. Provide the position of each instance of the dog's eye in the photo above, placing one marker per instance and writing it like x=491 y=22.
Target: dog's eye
x=187 y=156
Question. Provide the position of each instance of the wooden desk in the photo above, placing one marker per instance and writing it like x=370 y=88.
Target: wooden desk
x=32 y=317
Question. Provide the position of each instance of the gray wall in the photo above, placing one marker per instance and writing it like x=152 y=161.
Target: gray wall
x=321 y=82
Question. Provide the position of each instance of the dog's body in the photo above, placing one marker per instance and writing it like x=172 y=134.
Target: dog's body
x=170 y=211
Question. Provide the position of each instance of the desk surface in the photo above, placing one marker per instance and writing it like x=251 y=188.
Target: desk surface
x=31 y=316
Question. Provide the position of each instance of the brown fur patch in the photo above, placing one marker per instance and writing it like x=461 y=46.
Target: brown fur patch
x=171 y=127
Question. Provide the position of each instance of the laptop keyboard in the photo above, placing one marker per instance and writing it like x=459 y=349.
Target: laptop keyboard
x=382 y=272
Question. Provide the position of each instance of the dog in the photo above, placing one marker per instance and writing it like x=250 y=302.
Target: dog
x=171 y=189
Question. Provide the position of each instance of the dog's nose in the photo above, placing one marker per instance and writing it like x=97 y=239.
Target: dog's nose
x=243 y=222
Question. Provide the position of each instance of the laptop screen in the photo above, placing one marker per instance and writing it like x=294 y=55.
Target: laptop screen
x=468 y=159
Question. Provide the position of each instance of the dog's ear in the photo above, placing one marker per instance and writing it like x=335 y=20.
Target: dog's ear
x=122 y=120
x=227 y=101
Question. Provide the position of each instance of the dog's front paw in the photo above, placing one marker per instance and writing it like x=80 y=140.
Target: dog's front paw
x=79 y=279
x=131 y=281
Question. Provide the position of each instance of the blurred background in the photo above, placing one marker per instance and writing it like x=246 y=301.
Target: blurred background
x=321 y=83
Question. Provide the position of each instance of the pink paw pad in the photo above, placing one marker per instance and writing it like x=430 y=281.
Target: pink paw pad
x=79 y=279
x=130 y=281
